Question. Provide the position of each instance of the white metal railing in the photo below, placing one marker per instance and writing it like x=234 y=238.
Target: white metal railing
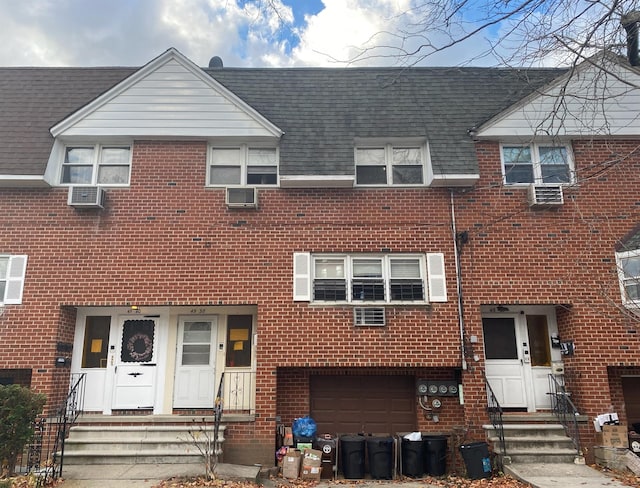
x=239 y=391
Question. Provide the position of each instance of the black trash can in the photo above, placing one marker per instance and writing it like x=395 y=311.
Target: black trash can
x=352 y=451
x=327 y=444
x=476 y=459
x=380 y=455
x=412 y=455
x=435 y=455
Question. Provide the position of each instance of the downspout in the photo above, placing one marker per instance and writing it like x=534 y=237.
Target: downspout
x=457 y=250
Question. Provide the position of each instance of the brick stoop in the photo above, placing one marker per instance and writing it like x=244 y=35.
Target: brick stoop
x=534 y=438
x=137 y=440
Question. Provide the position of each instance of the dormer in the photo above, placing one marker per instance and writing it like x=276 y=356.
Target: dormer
x=169 y=98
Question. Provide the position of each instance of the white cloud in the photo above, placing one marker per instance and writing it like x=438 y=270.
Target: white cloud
x=130 y=33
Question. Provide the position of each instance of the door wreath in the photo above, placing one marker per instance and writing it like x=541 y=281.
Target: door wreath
x=140 y=347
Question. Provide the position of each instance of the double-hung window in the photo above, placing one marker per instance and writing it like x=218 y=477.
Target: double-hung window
x=629 y=274
x=243 y=165
x=12 y=273
x=388 y=164
x=359 y=279
x=536 y=163
x=369 y=278
x=108 y=165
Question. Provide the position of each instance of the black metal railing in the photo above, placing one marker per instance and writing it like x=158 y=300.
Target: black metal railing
x=495 y=417
x=44 y=455
x=565 y=410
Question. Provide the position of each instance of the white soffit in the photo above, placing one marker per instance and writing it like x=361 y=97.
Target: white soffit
x=596 y=102
x=168 y=97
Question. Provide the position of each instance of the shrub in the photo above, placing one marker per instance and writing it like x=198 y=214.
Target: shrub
x=19 y=407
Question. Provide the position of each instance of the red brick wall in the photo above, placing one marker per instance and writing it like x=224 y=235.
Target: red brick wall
x=168 y=240
x=564 y=257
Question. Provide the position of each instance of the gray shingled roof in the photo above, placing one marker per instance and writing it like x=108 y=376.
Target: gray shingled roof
x=320 y=110
x=32 y=100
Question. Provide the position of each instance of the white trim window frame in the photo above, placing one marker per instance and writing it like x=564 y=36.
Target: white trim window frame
x=369 y=279
x=537 y=163
x=12 y=274
x=389 y=164
x=242 y=165
x=96 y=165
x=628 y=263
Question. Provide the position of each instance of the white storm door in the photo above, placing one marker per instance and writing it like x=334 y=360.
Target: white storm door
x=195 y=363
x=135 y=366
x=505 y=365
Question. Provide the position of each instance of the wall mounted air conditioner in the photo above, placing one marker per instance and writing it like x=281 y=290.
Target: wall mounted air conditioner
x=86 y=197
x=545 y=196
x=369 y=316
x=240 y=197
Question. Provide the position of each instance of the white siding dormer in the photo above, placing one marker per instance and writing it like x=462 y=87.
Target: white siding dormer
x=589 y=101
x=169 y=97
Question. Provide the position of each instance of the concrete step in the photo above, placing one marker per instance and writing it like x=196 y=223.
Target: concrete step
x=529 y=430
x=550 y=456
x=135 y=443
x=98 y=457
x=534 y=443
x=135 y=433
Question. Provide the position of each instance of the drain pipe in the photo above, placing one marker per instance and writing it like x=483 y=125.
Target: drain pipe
x=458 y=240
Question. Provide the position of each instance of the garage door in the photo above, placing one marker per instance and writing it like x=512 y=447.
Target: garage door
x=367 y=404
x=631 y=392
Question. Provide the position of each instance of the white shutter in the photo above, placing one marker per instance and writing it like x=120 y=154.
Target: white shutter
x=15 y=279
x=437 y=282
x=301 y=277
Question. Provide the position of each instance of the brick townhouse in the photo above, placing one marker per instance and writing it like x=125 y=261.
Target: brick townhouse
x=368 y=246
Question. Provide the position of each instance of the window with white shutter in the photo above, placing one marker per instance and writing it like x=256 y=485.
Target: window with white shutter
x=369 y=279
x=437 y=283
x=12 y=273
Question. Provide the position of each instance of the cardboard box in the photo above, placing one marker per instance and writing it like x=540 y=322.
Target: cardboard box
x=291 y=464
x=613 y=436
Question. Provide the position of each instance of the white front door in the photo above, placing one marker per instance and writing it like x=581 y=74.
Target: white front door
x=518 y=359
x=195 y=362
x=135 y=369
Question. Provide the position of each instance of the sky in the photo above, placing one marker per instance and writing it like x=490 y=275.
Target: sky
x=244 y=33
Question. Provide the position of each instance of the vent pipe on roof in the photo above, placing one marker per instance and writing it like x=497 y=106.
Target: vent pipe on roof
x=630 y=23
x=215 y=62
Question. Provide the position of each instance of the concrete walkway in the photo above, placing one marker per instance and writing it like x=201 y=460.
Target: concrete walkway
x=561 y=476
x=148 y=475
